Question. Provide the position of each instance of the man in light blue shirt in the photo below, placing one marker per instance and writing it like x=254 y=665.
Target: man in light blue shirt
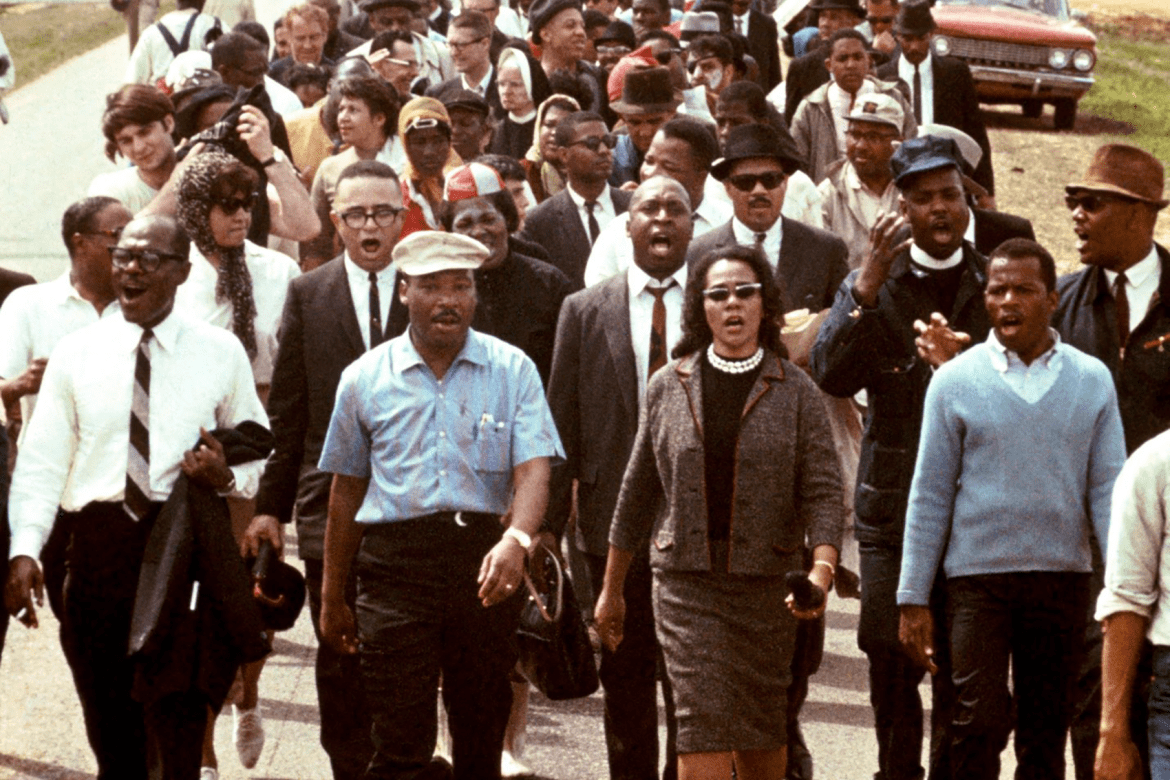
x=435 y=435
x=1021 y=443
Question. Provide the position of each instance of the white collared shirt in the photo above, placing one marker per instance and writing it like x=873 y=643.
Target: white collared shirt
x=642 y=315
x=1028 y=381
x=78 y=442
x=906 y=73
x=359 y=290
x=739 y=24
x=614 y=252
x=873 y=204
x=1141 y=282
x=773 y=237
x=841 y=103
x=270 y=271
x=480 y=88
x=603 y=212
x=33 y=319
x=919 y=256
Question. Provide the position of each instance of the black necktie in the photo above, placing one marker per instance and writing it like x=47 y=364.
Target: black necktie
x=594 y=228
x=375 y=312
x=917 y=95
x=1121 y=304
x=137 y=500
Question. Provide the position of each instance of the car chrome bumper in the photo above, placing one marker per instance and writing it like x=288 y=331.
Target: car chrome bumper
x=1033 y=84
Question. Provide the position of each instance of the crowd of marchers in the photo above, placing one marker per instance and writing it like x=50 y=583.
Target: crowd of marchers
x=452 y=290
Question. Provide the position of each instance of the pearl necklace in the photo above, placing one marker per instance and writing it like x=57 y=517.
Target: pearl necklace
x=734 y=366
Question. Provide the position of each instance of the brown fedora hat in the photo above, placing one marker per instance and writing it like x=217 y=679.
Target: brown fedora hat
x=1127 y=171
x=646 y=91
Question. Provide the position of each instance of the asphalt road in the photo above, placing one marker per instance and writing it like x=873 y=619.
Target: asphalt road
x=48 y=154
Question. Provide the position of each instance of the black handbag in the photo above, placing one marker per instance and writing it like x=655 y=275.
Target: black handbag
x=555 y=652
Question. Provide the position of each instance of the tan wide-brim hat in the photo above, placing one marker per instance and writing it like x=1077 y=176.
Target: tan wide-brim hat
x=1127 y=171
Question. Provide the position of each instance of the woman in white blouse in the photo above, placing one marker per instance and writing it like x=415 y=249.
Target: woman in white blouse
x=241 y=287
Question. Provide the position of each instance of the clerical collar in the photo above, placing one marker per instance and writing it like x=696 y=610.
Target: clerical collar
x=922 y=259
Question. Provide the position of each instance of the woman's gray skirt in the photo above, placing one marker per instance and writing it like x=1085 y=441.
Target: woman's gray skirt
x=727 y=640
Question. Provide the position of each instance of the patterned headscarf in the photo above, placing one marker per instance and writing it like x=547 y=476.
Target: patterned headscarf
x=426 y=108
x=194 y=211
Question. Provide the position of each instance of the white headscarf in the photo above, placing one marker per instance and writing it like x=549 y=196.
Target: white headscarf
x=513 y=56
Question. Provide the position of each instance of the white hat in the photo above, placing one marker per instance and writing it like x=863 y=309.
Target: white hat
x=471 y=181
x=878 y=109
x=430 y=251
x=968 y=147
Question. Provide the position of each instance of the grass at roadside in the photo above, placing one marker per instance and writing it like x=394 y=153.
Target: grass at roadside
x=41 y=37
x=1133 y=86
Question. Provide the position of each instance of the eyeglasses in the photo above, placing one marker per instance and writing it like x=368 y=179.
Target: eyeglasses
x=880 y=19
x=148 y=260
x=1093 y=202
x=232 y=205
x=383 y=216
x=666 y=55
x=742 y=291
x=593 y=143
x=746 y=182
x=870 y=138
x=456 y=47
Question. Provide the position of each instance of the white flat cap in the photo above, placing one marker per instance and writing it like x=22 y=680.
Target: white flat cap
x=430 y=251
x=968 y=147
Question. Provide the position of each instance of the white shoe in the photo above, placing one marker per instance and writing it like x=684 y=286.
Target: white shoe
x=208 y=773
x=248 y=735
x=510 y=766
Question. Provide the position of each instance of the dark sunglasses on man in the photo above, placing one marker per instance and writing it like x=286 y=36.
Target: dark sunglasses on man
x=664 y=57
x=742 y=291
x=594 y=142
x=746 y=182
x=1092 y=202
x=148 y=260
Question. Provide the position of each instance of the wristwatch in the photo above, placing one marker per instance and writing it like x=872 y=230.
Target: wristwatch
x=521 y=538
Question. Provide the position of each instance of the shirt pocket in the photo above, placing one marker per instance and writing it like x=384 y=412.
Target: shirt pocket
x=492 y=450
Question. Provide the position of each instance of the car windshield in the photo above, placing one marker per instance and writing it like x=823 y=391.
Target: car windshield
x=1056 y=8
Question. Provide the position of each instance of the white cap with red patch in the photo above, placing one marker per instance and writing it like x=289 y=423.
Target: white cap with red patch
x=471 y=181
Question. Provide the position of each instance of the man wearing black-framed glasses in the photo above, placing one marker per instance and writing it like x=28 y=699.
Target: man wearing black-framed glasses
x=332 y=315
x=469 y=40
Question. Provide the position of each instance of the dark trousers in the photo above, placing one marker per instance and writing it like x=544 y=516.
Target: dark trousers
x=629 y=676
x=345 y=718
x=894 y=679
x=418 y=617
x=130 y=741
x=1035 y=621
x=806 y=659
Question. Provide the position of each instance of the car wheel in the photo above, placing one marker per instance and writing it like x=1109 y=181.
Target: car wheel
x=1033 y=108
x=1066 y=113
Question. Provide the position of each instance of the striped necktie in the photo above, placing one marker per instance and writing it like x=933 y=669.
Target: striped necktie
x=137 y=501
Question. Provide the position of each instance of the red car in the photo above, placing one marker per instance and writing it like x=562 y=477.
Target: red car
x=1029 y=52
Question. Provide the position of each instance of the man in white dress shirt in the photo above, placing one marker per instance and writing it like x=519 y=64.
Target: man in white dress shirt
x=184 y=29
x=137 y=125
x=95 y=450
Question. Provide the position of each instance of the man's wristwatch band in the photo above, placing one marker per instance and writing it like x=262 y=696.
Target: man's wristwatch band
x=521 y=538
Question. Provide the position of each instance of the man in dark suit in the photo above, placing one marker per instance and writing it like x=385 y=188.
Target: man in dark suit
x=1117 y=309
x=868 y=341
x=810 y=266
x=608 y=343
x=763 y=40
x=809 y=72
x=332 y=315
x=947 y=95
x=568 y=223
x=810 y=263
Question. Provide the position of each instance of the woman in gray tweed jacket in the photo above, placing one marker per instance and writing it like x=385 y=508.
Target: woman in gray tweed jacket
x=733 y=471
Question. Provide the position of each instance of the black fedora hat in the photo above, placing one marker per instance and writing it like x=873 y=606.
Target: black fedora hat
x=618 y=32
x=915 y=19
x=646 y=91
x=748 y=142
x=279 y=591
x=374 y=5
x=845 y=5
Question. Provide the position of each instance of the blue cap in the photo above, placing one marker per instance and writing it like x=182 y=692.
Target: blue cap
x=919 y=155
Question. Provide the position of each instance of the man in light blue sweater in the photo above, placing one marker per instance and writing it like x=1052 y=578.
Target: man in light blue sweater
x=1021 y=443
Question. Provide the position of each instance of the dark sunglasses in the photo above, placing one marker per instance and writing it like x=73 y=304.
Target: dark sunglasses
x=880 y=19
x=742 y=291
x=148 y=260
x=232 y=205
x=666 y=55
x=383 y=216
x=593 y=143
x=746 y=182
x=1092 y=202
